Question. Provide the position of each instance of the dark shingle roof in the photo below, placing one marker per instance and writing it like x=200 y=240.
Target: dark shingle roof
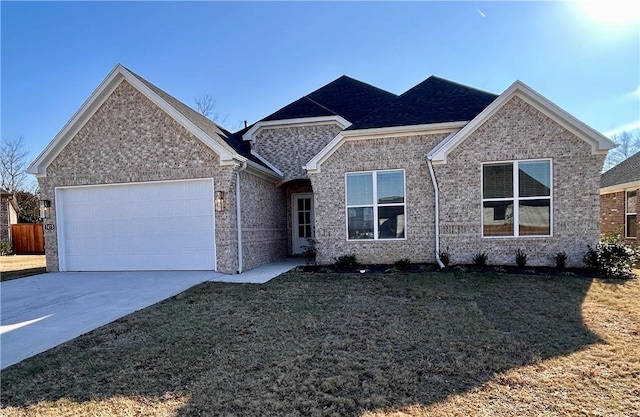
x=345 y=97
x=625 y=172
x=434 y=100
x=210 y=128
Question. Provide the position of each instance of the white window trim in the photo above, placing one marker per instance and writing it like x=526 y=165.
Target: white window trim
x=628 y=213
x=375 y=206
x=516 y=198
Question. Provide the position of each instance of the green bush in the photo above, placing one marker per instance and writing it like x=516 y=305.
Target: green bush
x=480 y=259
x=612 y=257
x=309 y=251
x=401 y=264
x=521 y=258
x=5 y=248
x=445 y=257
x=561 y=259
x=346 y=262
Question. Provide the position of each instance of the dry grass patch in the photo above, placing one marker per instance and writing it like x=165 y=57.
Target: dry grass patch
x=374 y=345
x=18 y=266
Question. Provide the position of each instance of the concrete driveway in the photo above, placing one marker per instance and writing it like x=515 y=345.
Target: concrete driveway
x=43 y=311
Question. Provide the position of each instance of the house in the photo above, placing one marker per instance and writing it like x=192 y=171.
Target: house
x=137 y=180
x=619 y=201
x=8 y=215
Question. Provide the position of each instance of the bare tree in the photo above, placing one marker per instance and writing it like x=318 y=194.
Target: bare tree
x=13 y=164
x=206 y=105
x=628 y=144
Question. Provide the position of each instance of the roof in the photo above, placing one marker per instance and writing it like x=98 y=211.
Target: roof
x=627 y=171
x=345 y=97
x=435 y=100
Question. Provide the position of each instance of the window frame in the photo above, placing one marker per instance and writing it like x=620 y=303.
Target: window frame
x=375 y=205
x=516 y=198
x=627 y=213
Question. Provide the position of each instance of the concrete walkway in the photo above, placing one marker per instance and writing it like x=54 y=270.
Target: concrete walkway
x=43 y=311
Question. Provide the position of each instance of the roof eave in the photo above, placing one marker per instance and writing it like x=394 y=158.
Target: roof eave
x=302 y=121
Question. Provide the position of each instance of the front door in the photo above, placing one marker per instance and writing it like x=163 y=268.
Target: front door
x=303 y=221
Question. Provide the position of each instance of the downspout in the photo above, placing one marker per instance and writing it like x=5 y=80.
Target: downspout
x=239 y=216
x=437 y=210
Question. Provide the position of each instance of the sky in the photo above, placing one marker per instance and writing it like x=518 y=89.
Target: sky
x=256 y=57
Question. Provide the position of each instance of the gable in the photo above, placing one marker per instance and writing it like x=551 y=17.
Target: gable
x=130 y=133
x=203 y=129
x=598 y=143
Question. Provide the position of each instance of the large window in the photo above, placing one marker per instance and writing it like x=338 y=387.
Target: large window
x=631 y=214
x=516 y=198
x=375 y=205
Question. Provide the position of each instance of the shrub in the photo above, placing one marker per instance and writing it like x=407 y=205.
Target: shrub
x=480 y=259
x=346 y=262
x=612 y=257
x=561 y=259
x=445 y=257
x=309 y=251
x=5 y=248
x=401 y=264
x=521 y=258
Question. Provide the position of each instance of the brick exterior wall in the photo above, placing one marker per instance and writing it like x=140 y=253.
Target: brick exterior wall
x=130 y=139
x=290 y=148
x=613 y=214
x=264 y=225
x=408 y=153
x=518 y=131
x=5 y=226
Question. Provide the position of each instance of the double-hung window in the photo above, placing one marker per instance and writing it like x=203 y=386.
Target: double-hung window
x=516 y=198
x=375 y=205
x=631 y=214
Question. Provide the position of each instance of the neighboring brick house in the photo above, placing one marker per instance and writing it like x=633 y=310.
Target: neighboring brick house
x=620 y=199
x=8 y=215
x=138 y=180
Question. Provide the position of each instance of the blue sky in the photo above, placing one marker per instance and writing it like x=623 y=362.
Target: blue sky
x=254 y=58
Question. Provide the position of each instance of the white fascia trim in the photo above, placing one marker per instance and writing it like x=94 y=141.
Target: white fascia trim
x=313 y=165
x=600 y=144
x=267 y=163
x=258 y=170
x=303 y=121
x=620 y=187
x=97 y=98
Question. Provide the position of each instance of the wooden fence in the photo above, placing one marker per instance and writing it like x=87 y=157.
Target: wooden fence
x=28 y=239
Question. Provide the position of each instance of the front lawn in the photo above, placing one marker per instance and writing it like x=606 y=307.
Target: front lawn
x=433 y=343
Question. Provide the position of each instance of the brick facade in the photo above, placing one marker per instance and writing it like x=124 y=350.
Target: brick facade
x=408 y=153
x=264 y=226
x=613 y=214
x=516 y=131
x=5 y=218
x=290 y=148
x=130 y=139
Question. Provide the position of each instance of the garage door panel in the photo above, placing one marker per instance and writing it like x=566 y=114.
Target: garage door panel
x=157 y=225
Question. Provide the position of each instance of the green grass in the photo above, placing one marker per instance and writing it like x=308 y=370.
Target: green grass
x=375 y=344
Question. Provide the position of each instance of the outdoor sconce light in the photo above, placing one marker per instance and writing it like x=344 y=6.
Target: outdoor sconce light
x=45 y=209
x=219 y=201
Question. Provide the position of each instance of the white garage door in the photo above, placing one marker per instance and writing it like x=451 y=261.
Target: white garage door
x=166 y=225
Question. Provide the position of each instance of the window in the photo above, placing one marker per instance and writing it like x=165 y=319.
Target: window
x=516 y=198
x=631 y=214
x=375 y=205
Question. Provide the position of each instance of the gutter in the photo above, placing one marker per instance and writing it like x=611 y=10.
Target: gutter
x=239 y=216
x=437 y=210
